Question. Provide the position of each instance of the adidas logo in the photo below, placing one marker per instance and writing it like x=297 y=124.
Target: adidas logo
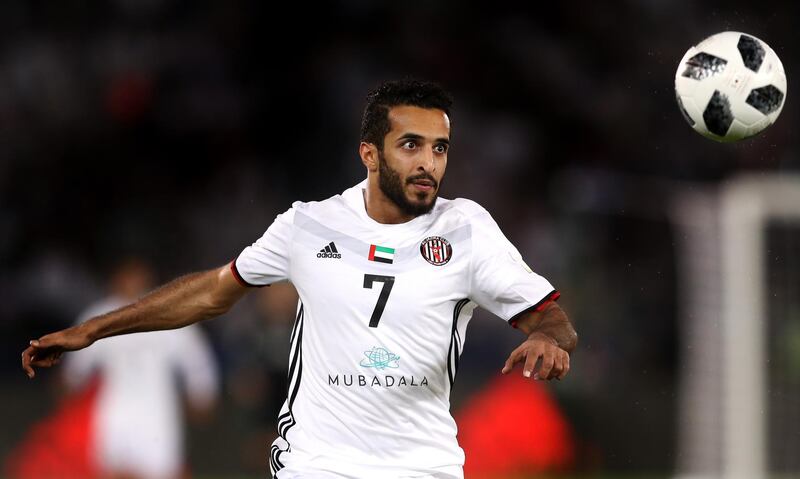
x=329 y=252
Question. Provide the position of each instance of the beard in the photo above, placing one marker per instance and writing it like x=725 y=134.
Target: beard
x=392 y=186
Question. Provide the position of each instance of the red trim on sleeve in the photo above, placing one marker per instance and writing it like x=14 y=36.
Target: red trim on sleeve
x=540 y=306
x=241 y=280
x=237 y=275
x=549 y=299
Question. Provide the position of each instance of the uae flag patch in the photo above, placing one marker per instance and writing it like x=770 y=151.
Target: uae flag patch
x=381 y=254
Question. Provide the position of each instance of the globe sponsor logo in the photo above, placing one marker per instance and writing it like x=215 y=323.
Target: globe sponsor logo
x=380 y=358
x=377 y=358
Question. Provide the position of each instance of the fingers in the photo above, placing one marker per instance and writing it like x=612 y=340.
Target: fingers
x=530 y=363
x=552 y=361
x=548 y=361
x=560 y=366
x=564 y=366
x=27 y=356
x=44 y=342
x=38 y=354
x=514 y=358
x=46 y=361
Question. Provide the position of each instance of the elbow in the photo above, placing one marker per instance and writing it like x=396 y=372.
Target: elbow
x=211 y=307
x=214 y=309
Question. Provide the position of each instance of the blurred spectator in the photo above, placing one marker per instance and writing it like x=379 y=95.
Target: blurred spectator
x=127 y=390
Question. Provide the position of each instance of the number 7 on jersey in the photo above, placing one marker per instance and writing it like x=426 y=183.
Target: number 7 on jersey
x=388 y=282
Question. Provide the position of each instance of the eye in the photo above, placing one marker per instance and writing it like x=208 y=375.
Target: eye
x=409 y=145
x=441 y=148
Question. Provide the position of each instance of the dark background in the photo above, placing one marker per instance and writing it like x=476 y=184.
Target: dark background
x=176 y=131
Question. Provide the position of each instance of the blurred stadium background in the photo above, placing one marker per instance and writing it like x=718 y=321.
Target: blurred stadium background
x=175 y=131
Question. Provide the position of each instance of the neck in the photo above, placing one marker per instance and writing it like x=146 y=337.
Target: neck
x=380 y=208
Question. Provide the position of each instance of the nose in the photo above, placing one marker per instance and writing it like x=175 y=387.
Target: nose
x=427 y=161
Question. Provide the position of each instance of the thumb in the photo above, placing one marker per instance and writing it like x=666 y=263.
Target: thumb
x=45 y=341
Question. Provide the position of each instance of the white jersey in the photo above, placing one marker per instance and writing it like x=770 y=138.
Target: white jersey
x=138 y=418
x=380 y=327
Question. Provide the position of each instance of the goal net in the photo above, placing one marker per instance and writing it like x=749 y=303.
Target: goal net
x=739 y=265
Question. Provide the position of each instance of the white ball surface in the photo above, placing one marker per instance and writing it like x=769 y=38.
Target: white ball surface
x=730 y=86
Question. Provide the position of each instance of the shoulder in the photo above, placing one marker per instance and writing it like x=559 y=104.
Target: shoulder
x=468 y=210
x=309 y=208
x=477 y=218
x=350 y=196
x=316 y=209
x=343 y=207
x=467 y=207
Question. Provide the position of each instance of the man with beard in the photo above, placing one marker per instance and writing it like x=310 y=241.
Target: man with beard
x=388 y=277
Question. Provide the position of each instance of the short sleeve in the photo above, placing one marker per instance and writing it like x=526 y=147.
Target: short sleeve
x=501 y=281
x=267 y=260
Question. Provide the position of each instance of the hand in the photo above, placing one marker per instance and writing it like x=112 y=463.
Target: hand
x=47 y=350
x=554 y=360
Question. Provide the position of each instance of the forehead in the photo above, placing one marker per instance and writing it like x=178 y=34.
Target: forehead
x=428 y=122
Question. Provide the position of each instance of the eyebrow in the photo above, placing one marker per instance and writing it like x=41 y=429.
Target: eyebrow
x=416 y=136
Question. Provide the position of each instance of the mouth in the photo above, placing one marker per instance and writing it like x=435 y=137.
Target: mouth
x=423 y=184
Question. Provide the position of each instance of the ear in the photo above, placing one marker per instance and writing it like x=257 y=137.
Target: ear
x=369 y=155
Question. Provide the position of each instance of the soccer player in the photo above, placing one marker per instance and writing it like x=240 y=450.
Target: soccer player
x=388 y=277
x=145 y=381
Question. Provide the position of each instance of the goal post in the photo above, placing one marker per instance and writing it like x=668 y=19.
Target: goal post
x=723 y=424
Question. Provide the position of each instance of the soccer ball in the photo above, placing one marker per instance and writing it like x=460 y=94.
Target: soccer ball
x=730 y=86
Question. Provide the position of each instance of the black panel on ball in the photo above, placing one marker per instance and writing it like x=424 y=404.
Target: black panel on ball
x=765 y=99
x=717 y=115
x=703 y=65
x=752 y=52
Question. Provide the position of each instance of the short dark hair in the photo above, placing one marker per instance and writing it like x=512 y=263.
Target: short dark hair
x=375 y=121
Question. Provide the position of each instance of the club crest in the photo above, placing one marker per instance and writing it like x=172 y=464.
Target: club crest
x=436 y=250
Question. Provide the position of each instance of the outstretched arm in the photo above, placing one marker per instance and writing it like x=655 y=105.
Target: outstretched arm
x=181 y=302
x=551 y=338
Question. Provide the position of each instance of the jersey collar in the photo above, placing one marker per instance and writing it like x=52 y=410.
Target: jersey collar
x=354 y=198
